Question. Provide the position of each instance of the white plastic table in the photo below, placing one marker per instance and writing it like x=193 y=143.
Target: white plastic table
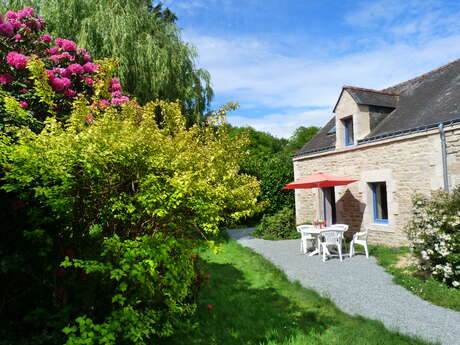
x=316 y=232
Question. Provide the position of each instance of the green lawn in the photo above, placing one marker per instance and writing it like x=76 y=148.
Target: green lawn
x=425 y=287
x=254 y=303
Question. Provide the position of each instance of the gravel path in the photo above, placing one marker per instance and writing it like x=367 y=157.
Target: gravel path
x=360 y=286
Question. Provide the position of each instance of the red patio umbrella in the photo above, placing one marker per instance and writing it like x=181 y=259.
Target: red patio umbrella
x=319 y=180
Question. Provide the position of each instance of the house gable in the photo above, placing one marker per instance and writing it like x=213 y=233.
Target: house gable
x=418 y=104
x=347 y=108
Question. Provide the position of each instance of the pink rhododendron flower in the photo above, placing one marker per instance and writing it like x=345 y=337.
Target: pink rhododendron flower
x=87 y=57
x=55 y=58
x=23 y=104
x=52 y=51
x=24 y=90
x=11 y=15
x=17 y=24
x=67 y=45
x=50 y=74
x=7 y=28
x=6 y=78
x=90 y=67
x=120 y=100
x=75 y=68
x=70 y=93
x=114 y=85
x=17 y=60
x=116 y=94
x=102 y=104
x=17 y=37
x=64 y=56
x=59 y=84
x=26 y=12
x=46 y=38
x=39 y=25
x=89 y=81
x=60 y=70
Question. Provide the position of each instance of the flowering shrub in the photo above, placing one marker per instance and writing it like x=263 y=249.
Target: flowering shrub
x=434 y=232
x=44 y=75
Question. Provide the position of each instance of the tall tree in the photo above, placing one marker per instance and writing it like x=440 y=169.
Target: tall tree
x=154 y=61
x=300 y=137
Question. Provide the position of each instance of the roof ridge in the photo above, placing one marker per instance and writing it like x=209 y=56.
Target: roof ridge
x=370 y=90
x=424 y=75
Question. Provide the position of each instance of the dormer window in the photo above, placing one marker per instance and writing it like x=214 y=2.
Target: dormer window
x=348 y=131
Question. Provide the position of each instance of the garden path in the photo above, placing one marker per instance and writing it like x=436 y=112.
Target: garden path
x=359 y=286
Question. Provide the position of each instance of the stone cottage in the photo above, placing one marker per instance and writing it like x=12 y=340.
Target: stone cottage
x=398 y=141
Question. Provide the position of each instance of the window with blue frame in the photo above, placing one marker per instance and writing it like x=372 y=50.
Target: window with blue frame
x=379 y=200
x=349 y=135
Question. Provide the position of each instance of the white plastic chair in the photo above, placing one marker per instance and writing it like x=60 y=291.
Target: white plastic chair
x=331 y=238
x=342 y=227
x=305 y=237
x=361 y=239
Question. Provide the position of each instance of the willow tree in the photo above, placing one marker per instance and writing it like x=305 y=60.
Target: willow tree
x=154 y=61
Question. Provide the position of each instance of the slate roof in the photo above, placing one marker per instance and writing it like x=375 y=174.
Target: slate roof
x=372 y=97
x=429 y=99
x=322 y=141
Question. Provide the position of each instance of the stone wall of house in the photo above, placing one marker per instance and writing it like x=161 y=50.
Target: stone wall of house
x=453 y=156
x=410 y=164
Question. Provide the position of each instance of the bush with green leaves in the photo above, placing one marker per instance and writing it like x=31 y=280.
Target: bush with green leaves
x=112 y=211
x=278 y=226
x=274 y=171
x=434 y=232
x=270 y=161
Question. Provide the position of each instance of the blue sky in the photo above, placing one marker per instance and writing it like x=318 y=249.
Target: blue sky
x=285 y=61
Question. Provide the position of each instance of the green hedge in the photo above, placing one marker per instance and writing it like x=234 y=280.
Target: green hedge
x=279 y=226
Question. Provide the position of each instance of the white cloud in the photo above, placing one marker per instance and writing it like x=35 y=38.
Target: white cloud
x=282 y=125
x=261 y=76
x=372 y=13
x=252 y=72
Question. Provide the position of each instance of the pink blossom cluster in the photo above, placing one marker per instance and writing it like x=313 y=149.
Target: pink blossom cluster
x=69 y=68
x=20 y=23
x=17 y=60
x=115 y=90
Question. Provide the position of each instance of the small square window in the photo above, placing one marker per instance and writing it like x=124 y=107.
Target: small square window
x=348 y=131
x=379 y=201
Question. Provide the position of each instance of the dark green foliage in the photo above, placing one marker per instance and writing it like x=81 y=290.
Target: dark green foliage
x=278 y=226
x=150 y=279
x=270 y=161
x=274 y=171
x=301 y=136
x=154 y=61
x=260 y=143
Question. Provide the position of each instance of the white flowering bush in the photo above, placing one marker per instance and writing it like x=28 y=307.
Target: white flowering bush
x=434 y=232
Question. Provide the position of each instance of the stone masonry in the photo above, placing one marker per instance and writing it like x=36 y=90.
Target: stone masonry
x=408 y=164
